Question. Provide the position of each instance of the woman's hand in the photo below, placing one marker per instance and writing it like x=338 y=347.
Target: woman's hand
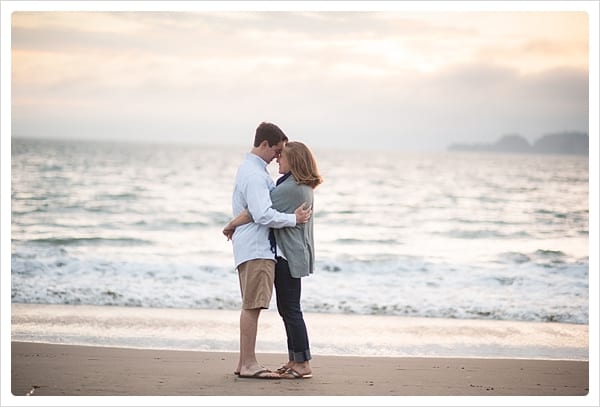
x=228 y=231
x=243 y=218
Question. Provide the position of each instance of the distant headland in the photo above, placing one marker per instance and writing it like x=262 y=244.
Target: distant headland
x=576 y=143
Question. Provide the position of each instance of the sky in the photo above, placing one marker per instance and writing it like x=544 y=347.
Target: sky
x=391 y=77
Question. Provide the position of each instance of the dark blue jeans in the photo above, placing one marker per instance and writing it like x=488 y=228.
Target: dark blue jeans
x=287 y=292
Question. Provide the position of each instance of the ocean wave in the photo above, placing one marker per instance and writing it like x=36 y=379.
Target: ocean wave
x=127 y=196
x=429 y=235
x=576 y=316
x=484 y=234
x=70 y=241
x=351 y=241
x=550 y=253
x=514 y=257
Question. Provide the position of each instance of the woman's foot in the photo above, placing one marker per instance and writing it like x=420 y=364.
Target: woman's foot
x=285 y=367
x=299 y=370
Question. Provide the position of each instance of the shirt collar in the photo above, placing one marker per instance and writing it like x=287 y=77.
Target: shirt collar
x=258 y=160
x=284 y=177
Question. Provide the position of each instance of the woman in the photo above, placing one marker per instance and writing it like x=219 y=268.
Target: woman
x=294 y=248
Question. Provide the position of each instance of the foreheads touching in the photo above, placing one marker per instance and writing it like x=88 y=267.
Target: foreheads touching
x=270 y=133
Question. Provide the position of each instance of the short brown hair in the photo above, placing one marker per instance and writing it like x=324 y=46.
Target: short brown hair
x=270 y=132
x=302 y=164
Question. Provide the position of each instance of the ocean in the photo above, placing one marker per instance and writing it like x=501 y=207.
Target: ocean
x=466 y=236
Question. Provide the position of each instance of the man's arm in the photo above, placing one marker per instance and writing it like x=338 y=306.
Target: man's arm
x=259 y=202
x=302 y=216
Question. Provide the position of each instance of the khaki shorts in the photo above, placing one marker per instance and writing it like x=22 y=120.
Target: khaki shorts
x=256 y=283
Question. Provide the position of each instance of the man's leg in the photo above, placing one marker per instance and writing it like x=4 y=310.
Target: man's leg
x=248 y=330
x=256 y=283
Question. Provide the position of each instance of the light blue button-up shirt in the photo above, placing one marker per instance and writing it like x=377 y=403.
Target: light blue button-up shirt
x=252 y=191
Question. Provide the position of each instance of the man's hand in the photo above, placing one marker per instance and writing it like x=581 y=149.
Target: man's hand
x=302 y=214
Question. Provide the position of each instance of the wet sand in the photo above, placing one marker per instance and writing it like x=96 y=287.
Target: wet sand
x=68 y=370
x=330 y=334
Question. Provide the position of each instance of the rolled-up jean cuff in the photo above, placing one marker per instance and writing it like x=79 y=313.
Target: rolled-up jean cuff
x=299 y=356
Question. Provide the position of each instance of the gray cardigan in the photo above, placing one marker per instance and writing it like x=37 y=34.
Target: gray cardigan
x=295 y=242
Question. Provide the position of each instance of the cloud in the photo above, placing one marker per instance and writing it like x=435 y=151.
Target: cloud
x=394 y=79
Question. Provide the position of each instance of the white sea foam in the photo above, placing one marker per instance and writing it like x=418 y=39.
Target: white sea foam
x=333 y=334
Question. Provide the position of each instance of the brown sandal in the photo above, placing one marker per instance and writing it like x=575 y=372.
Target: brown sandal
x=293 y=374
x=282 y=369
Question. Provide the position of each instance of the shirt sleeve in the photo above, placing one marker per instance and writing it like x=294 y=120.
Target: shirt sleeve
x=260 y=205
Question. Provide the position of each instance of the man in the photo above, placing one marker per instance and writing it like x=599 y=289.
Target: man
x=254 y=256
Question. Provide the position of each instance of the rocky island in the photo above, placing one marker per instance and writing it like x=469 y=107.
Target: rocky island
x=576 y=143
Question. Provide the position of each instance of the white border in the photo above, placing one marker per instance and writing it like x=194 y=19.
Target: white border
x=405 y=6
x=8 y=7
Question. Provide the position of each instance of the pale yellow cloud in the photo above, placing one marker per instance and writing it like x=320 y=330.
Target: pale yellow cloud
x=80 y=22
x=524 y=41
x=204 y=67
x=176 y=45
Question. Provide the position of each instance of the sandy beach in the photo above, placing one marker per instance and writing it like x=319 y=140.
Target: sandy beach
x=67 y=370
x=66 y=350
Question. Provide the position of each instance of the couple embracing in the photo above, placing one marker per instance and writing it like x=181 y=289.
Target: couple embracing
x=272 y=235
